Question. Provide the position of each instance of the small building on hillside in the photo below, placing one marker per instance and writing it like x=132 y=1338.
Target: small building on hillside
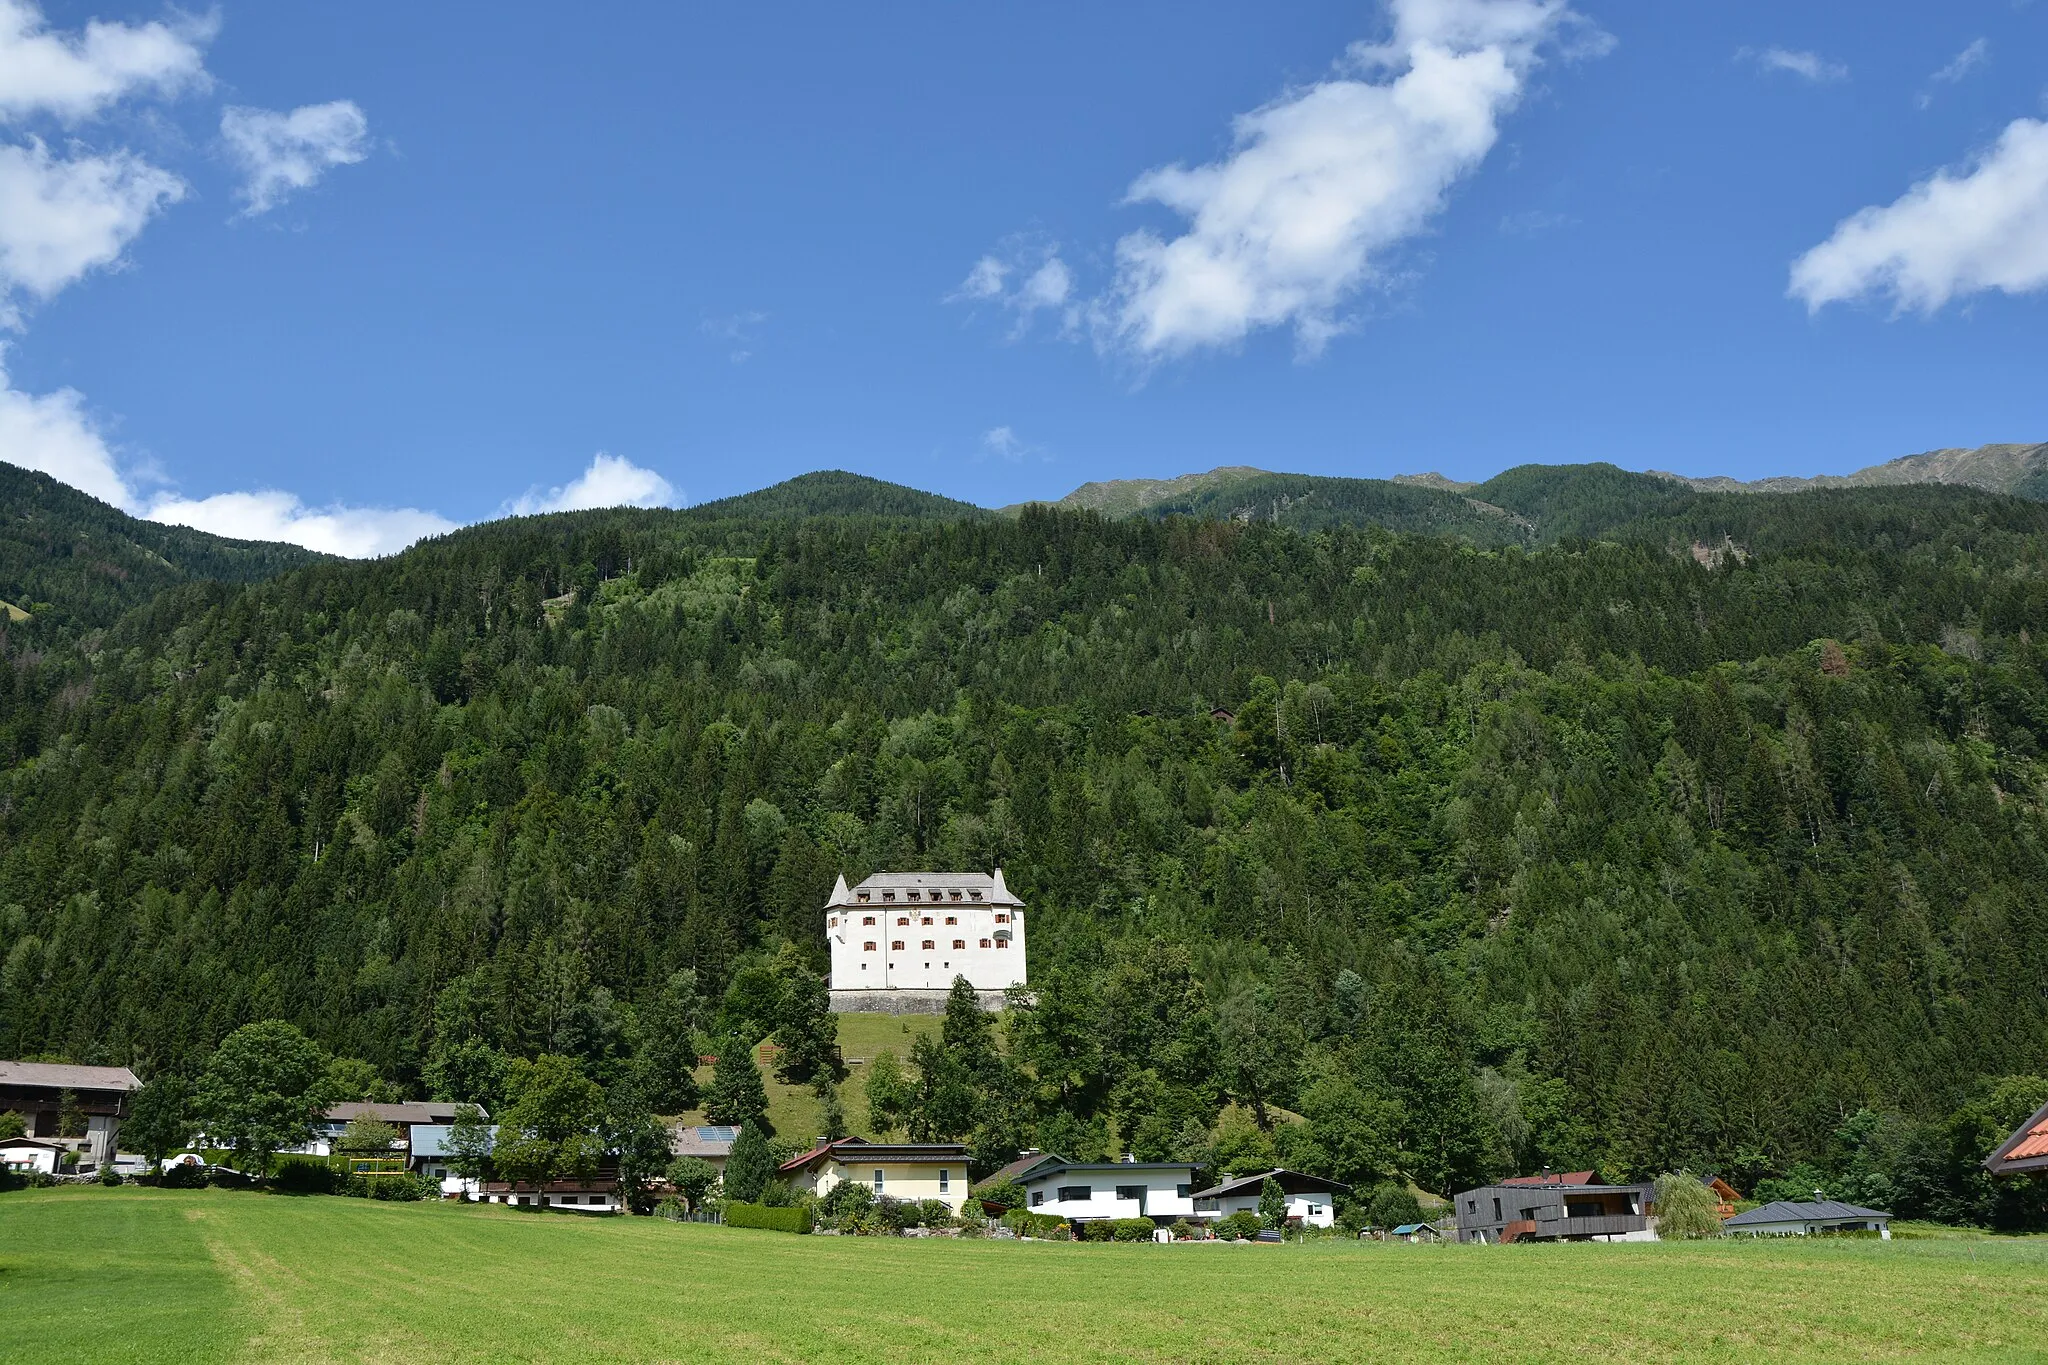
x=910 y=1171
x=1311 y=1200
x=1089 y=1191
x=1800 y=1218
x=899 y=939
x=97 y=1097
x=707 y=1142
x=1572 y=1207
x=30 y=1156
x=2026 y=1151
x=1416 y=1232
x=430 y=1156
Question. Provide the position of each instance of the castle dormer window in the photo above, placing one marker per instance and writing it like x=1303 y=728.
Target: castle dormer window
x=952 y=919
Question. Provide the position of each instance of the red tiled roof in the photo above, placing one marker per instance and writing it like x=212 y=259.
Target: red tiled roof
x=2033 y=1143
x=1567 y=1178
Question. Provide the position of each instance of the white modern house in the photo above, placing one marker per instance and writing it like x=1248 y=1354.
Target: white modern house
x=1801 y=1218
x=917 y=931
x=1311 y=1199
x=1087 y=1191
x=431 y=1156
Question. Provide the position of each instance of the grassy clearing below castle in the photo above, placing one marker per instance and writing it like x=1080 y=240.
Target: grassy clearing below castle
x=148 y=1275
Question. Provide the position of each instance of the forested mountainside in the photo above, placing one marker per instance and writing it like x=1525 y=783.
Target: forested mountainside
x=1609 y=852
x=2020 y=469
x=834 y=492
x=71 y=562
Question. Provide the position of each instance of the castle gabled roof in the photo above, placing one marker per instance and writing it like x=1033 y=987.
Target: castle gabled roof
x=992 y=888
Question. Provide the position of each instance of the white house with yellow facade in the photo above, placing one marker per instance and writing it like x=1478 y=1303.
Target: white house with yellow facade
x=910 y=1171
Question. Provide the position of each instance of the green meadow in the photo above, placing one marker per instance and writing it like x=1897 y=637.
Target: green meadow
x=148 y=1275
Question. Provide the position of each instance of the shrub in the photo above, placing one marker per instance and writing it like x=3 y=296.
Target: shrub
x=1184 y=1231
x=1245 y=1225
x=738 y=1215
x=896 y=1214
x=108 y=1175
x=1007 y=1193
x=1686 y=1208
x=1390 y=1205
x=1025 y=1223
x=1133 y=1229
x=406 y=1188
x=184 y=1176
x=935 y=1213
x=302 y=1176
x=671 y=1208
x=847 y=1199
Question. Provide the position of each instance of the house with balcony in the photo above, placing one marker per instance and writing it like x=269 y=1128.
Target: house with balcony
x=1571 y=1207
x=95 y=1098
x=1089 y=1191
x=910 y=1171
x=1311 y=1200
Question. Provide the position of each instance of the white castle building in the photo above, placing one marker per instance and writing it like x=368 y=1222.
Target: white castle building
x=916 y=931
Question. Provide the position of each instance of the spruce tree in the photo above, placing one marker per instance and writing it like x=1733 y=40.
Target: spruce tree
x=750 y=1165
x=1272 y=1203
x=736 y=1094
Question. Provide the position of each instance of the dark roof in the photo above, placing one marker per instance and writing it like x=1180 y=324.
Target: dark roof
x=894 y=1153
x=1062 y=1166
x=1798 y=1211
x=1293 y=1182
x=1016 y=1169
x=408 y=1112
x=2026 y=1150
x=431 y=1139
x=65 y=1076
x=32 y=1142
x=1554 y=1178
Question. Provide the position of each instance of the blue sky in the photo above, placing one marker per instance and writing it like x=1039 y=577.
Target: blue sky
x=347 y=274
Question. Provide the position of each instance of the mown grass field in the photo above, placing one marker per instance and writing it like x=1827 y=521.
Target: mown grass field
x=148 y=1275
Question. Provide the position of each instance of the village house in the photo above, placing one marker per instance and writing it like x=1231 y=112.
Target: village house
x=1311 y=1200
x=1088 y=1191
x=30 y=1156
x=97 y=1097
x=917 y=931
x=431 y=1155
x=1571 y=1207
x=597 y=1194
x=909 y=1171
x=405 y=1116
x=707 y=1142
x=2026 y=1151
x=1799 y=1218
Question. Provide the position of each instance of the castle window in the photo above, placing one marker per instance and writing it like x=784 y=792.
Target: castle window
x=959 y=943
x=1002 y=943
x=984 y=943
x=867 y=919
x=895 y=945
x=926 y=920
x=956 y=895
x=913 y=895
x=903 y=919
x=950 y=919
x=1002 y=919
x=862 y=896
x=929 y=945
x=888 y=895
x=868 y=947
x=975 y=894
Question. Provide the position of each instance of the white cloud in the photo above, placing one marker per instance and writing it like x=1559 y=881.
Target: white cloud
x=280 y=153
x=76 y=75
x=1807 y=65
x=611 y=481
x=737 y=332
x=1966 y=61
x=353 y=532
x=60 y=219
x=1045 y=284
x=1325 y=181
x=1959 y=232
x=53 y=433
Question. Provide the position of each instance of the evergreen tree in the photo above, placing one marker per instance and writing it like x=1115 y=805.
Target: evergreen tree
x=736 y=1093
x=888 y=1093
x=749 y=1166
x=1272 y=1204
x=665 y=1060
x=808 y=1031
x=158 y=1121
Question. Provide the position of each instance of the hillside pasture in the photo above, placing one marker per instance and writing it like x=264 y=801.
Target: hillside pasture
x=146 y=1275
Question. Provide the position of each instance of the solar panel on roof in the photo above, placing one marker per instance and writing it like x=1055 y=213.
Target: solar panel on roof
x=719 y=1133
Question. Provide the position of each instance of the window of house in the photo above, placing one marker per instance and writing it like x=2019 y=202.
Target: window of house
x=984 y=943
x=862 y=898
x=888 y=895
x=1183 y=1191
x=868 y=947
x=929 y=945
x=926 y=920
x=956 y=895
x=895 y=945
x=976 y=895
x=1130 y=1192
x=902 y=919
x=867 y=919
x=945 y=1181
x=952 y=919
x=1002 y=919
x=1002 y=943
x=1084 y=1193
x=878 y=1180
x=1496 y=1210
x=1037 y=1198
x=914 y=895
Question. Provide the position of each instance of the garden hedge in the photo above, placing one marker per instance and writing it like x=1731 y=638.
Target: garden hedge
x=739 y=1215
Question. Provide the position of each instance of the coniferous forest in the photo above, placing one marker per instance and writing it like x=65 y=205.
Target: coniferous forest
x=1639 y=829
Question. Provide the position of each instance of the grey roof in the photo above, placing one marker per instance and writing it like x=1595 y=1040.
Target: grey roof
x=431 y=1139
x=993 y=891
x=1062 y=1167
x=1803 y=1211
x=1293 y=1182
x=707 y=1140
x=64 y=1076
x=408 y=1112
x=1017 y=1169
